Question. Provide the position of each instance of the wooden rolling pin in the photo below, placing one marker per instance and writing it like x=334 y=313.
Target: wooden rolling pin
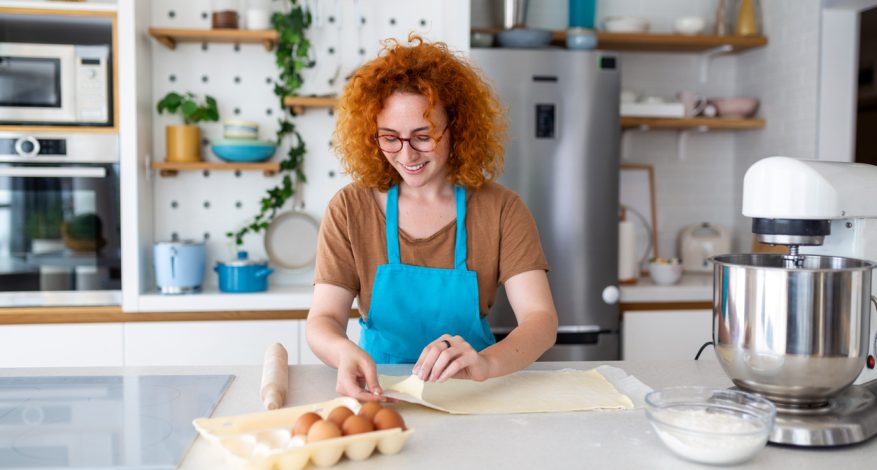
x=275 y=377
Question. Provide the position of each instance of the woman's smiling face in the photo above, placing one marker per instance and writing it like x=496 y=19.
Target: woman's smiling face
x=403 y=117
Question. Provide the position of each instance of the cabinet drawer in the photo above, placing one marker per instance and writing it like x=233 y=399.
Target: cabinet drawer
x=61 y=345
x=207 y=343
x=666 y=335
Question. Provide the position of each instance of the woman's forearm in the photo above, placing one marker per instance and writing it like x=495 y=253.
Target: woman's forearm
x=523 y=345
x=327 y=338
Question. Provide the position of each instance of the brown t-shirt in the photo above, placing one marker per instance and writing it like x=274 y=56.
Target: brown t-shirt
x=502 y=241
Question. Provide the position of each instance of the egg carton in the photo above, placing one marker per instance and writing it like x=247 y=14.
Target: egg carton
x=264 y=441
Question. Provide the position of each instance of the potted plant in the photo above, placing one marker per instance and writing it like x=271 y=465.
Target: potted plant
x=184 y=140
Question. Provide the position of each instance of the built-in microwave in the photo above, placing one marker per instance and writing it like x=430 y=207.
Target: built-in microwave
x=55 y=84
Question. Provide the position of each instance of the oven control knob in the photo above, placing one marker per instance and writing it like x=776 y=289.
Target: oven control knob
x=27 y=146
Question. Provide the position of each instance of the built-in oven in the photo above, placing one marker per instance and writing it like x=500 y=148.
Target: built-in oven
x=55 y=84
x=60 y=230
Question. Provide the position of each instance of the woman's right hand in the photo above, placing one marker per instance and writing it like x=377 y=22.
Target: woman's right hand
x=356 y=371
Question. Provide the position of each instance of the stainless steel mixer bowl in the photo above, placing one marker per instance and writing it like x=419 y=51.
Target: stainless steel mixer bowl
x=795 y=335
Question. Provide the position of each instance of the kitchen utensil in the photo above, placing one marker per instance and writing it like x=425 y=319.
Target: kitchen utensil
x=243 y=150
x=625 y=24
x=581 y=13
x=524 y=38
x=258 y=14
x=275 y=377
x=581 y=38
x=291 y=240
x=243 y=274
x=665 y=272
x=480 y=39
x=628 y=260
x=263 y=440
x=689 y=25
x=795 y=335
x=721 y=26
x=225 y=14
x=699 y=242
x=735 y=107
x=514 y=13
x=179 y=266
x=709 y=425
x=746 y=22
x=240 y=129
x=694 y=103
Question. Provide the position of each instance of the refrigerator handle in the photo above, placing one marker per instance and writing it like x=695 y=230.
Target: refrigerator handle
x=611 y=295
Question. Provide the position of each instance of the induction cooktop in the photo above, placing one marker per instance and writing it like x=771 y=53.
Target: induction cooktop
x=103 y=422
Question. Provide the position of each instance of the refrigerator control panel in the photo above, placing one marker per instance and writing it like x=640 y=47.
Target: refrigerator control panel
x=545 y=121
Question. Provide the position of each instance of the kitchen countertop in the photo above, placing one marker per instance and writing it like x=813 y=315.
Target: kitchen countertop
x=693 y=287
x=616 y=439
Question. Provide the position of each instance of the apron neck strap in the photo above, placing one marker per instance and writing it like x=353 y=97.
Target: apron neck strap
x=393 y=225
x=460 y=242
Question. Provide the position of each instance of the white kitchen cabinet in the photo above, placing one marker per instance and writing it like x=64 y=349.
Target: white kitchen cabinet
x=308 y=357
x=666 y=334
x=61 y=345
x=208 y=343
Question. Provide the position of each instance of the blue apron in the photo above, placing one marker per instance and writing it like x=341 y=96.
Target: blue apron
x=411 y=306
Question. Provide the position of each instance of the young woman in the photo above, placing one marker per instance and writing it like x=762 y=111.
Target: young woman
x=424 y=237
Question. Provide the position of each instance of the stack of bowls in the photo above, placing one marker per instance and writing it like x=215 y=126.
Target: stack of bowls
x=240 y=143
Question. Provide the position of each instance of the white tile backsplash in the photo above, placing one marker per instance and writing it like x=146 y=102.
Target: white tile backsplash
x=785 y=75
x=707 y=185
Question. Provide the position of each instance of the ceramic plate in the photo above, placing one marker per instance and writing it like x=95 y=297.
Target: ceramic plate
x=291 y=240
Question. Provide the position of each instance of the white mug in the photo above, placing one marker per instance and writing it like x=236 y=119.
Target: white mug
x=694 y=103
x=258 y=19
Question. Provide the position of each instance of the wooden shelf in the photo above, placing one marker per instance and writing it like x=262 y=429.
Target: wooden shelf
x=171 y=36
x=648 y=42
x=692 y=123
x=171 y=168
x=674 y=42
x=299 y=103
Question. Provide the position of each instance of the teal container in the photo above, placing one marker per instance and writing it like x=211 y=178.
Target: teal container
x=582 y=13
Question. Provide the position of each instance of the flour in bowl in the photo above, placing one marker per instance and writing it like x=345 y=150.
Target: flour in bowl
x=709 y=437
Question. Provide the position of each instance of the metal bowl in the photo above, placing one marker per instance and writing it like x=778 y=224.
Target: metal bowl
x=795 y=335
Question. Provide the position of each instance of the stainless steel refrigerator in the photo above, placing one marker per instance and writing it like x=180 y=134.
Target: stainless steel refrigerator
x=562 y=159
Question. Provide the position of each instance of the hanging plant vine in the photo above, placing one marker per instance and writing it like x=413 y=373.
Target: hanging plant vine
x=291 y=57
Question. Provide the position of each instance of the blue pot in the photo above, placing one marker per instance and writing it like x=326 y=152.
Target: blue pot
x=243 y=275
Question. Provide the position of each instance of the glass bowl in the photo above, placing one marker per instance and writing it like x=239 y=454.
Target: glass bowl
x=710 y=425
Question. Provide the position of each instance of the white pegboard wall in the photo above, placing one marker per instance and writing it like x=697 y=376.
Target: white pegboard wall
x=344 y=34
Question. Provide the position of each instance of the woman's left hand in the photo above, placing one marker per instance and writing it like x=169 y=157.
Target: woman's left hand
x=451 y=357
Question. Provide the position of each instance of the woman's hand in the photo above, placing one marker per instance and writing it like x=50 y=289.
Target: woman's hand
x=357 y=370
x=451 y=357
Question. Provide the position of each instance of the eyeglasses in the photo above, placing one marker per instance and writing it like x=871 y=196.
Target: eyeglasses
x=392 y=143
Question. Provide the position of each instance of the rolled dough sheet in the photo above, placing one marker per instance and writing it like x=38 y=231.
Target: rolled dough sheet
x=521 y=392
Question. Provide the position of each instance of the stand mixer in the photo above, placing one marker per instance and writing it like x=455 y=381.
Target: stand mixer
x=796 y=328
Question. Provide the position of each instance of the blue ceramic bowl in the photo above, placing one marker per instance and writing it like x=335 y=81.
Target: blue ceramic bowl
x=524 y=38
x=243 y=150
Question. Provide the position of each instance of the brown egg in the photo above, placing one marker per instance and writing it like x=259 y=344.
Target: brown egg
x=339 y=414
x=370 y=409
x=388 y=419
x=322 y=430
x=304 y=422
x=357 y=425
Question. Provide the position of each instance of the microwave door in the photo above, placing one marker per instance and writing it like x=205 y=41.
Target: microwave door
x=37 y=83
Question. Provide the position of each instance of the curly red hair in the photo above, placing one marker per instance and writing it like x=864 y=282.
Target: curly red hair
x=477 y=123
